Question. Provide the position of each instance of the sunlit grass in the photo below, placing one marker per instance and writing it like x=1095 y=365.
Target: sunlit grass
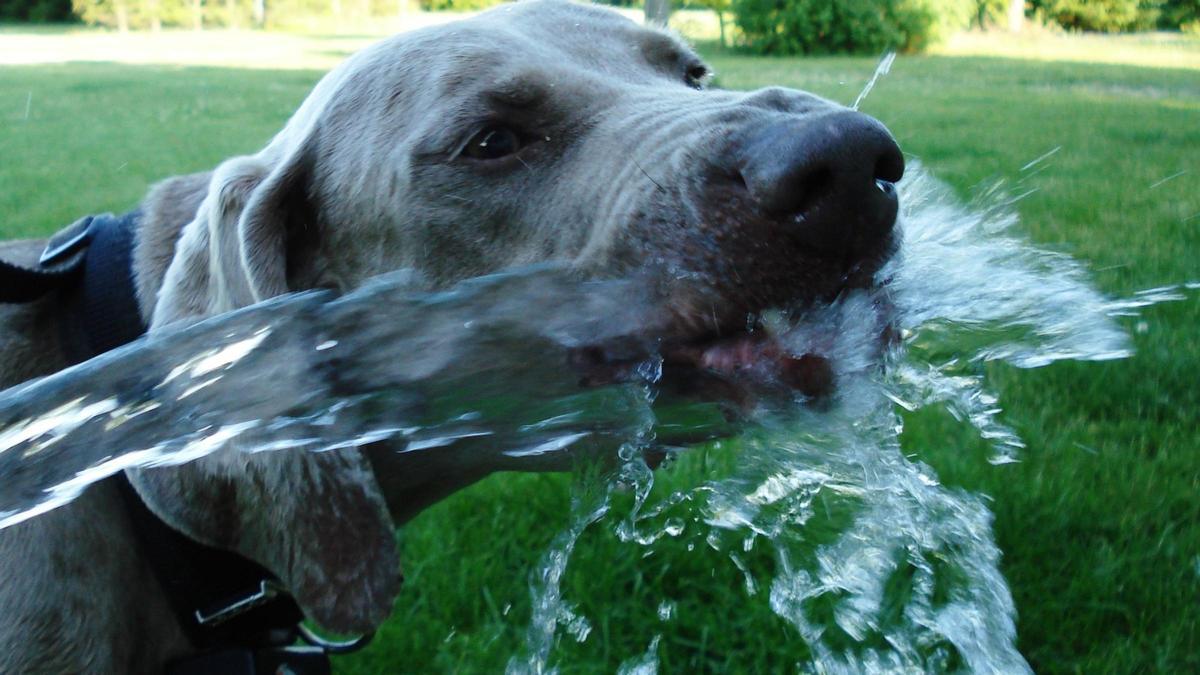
x=1155 y=50
x=1100 y=522
x=321 y=44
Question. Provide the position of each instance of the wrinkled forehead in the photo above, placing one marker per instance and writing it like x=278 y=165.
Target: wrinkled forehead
x=542 y=37
x=589 y=36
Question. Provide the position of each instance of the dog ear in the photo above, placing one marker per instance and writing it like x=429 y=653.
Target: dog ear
x=235 y=251
x=315 y=520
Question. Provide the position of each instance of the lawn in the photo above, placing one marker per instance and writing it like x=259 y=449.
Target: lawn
x=1100 y=521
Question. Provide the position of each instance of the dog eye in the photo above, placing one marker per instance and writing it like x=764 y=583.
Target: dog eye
x=696 y=75
x=493 y=143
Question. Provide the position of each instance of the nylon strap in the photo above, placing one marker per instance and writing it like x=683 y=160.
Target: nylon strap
x=221 y=599
x=21 y=284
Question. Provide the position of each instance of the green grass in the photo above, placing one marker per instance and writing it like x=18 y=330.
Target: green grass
x=1100 y=522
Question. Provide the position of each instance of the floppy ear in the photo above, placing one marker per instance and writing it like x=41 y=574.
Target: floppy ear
x=235 y=252
x=316 y=520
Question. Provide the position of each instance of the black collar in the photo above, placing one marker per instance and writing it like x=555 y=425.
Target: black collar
x=223 y=600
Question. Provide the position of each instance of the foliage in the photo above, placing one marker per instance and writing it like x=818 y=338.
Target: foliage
x=1108 y=16
x=36 y=11
x=142 y=14
x=990 y=13
x=847 y=26
x=721 y=8
x=457 y=5
x=1181 y=14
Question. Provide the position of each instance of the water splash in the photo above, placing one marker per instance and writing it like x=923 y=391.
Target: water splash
x=472 y=367
x=905 y=573
x=882 y=68
x=878 y=567
x=646 y=664
x=587 y=507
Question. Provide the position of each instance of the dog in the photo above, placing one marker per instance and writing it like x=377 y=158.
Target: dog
x=538 y=131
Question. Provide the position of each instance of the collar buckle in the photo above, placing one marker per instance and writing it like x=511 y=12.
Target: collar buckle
x=267 y=590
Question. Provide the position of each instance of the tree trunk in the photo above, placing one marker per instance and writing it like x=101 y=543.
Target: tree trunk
x=1016 y=15
x=260 y=13
x=197 y=15
x=122 y=16
x=155 y=7
x=658 y=12
x=231 y=14
x=721 y=27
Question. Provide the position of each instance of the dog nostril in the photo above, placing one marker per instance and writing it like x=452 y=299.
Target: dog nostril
x=890 y=165
x=830 y=180
x=816 y=185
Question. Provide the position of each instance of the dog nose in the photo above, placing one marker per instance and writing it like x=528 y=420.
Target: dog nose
x=829 y=179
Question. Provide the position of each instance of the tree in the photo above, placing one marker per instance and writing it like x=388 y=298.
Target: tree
x=1016 y=15
x=658 y=12
x=720 y=8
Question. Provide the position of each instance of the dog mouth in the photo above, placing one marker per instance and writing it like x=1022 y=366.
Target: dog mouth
x=784 y=352
x=741 y=346
x=729 y=367
x=780 y=356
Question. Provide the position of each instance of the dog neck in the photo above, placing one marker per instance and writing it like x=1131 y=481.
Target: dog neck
x=167 y=209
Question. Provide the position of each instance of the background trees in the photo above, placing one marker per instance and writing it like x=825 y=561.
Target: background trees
x=775 y=27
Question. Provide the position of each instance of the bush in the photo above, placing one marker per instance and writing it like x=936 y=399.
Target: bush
x=1109 y=16
x=1180 y=14
x=847 y=26
x=142 y=14
x=457 y=5
x=36 y=11
x=990 y=13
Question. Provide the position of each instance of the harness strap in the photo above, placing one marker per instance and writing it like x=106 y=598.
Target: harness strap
x=227 y=604
x=21 y=284
x=102 y=311
x=220 y=598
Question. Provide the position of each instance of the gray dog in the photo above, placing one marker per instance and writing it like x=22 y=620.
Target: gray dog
x=537 y=131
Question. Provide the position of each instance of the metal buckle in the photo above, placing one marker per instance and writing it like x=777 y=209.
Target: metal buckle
x=267 y=590
x=333 y=646
x=78 y=234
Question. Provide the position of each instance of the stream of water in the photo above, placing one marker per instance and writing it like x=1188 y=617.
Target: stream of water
x=905 y=574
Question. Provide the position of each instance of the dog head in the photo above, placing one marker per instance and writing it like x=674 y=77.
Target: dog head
x=538 y=131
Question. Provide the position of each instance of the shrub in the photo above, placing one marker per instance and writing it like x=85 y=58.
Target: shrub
x=141 y=14
x=457 y=5
x=847 y=26
x=990 y=13
x=1109 y=16
x=36 y=11
x=1181 y=14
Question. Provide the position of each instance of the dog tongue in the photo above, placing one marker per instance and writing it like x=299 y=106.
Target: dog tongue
x=757 y=358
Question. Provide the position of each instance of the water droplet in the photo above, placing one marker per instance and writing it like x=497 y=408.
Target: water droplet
x=666 y=610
